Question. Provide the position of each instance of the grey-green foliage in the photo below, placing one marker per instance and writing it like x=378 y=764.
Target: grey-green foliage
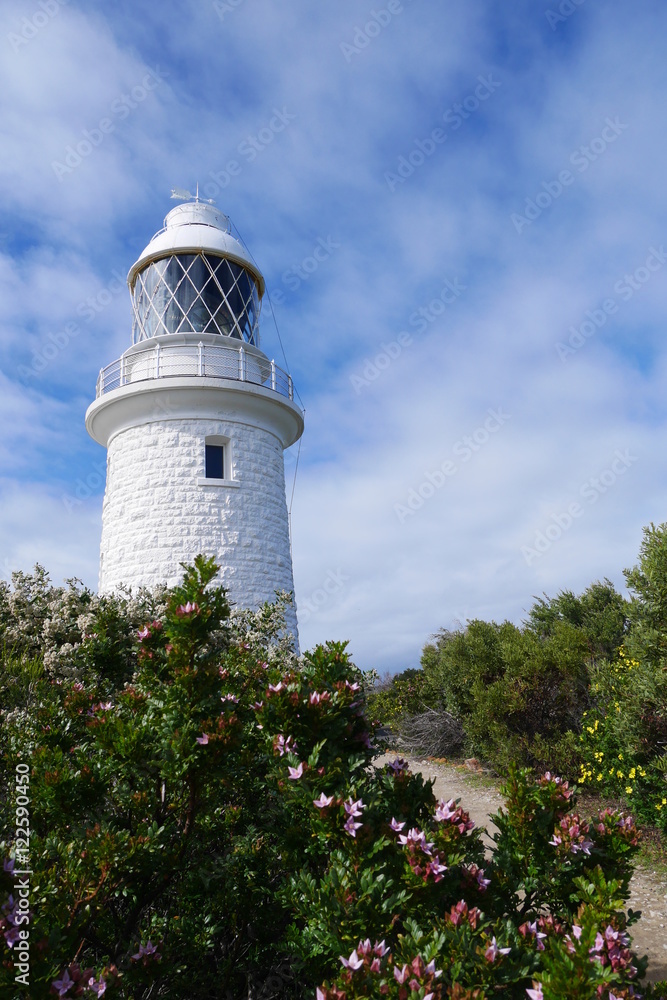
x=68 y=629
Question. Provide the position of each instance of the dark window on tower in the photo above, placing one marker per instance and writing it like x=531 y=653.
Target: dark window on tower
x=215 y=461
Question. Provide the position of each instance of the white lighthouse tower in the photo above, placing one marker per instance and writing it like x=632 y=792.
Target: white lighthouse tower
x=195 y=419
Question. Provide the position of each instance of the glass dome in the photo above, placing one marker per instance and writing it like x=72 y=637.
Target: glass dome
x=195 y=293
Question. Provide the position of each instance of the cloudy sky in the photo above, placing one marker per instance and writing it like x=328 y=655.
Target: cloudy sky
x=480 y=348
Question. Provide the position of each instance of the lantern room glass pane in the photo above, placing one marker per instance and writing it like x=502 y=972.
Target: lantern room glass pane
x=195 y=293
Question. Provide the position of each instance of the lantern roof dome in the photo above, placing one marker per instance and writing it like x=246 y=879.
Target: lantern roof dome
x=196 y=227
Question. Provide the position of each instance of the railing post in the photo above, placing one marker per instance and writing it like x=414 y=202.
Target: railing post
x=100 y=383
x=200 y=370
x=273 y=375
x=157 y=361
x=241 y=364
x=122 y=370
x=290 y=387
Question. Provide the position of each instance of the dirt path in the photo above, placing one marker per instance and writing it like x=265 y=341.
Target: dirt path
x=480 y=797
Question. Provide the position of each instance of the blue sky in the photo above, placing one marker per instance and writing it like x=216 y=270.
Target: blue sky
x=481 y=350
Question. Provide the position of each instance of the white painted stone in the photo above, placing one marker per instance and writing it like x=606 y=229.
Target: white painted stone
x=155 y=515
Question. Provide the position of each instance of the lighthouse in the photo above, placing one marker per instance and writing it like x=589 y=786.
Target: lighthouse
x=195 y=419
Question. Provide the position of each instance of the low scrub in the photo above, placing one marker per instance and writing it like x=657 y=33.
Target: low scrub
x=200 y=818
x=580 y=687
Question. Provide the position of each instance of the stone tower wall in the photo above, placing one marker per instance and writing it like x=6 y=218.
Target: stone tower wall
x=158 y=514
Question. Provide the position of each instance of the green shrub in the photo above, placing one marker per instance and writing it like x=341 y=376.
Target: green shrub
x=212 y=827
x=516 y=694
x=395 y=697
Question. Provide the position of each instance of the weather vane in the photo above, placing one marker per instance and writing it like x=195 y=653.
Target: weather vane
x=182 y=195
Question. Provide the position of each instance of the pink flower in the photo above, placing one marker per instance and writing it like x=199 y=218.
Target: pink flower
x=295 y=772
x=63 y=985
x=230 y=697
x=353 y=808
x=187 y=609
x=436 y=869
x=203 y=739
x=12 y=936
x=285 y=744
x=323 y=801
x=353 y=962
x=401 y=976
x=314 y=698
x=257 y=705
x=276 y=687
x=143 y=634
x=396 y=827
x=398 y=766
x=147 y=951
x=416 y=838
x=351 y=827
x=537 y=993
x=493 y=951
x=445 y=810
x=97 y=988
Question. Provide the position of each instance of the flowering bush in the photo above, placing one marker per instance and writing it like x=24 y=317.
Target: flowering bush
x=205 y=820
x=619 y=756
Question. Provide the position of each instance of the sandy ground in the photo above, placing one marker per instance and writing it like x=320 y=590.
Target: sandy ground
x=648 y=893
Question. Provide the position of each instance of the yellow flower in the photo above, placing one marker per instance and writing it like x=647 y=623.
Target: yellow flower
x=620 y=756
x=632 y=773
x=599 y=777
x=629 y=790
x=619 y=774
x=664 y=802
x=596 y=723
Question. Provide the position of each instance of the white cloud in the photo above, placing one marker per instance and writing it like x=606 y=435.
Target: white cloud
x=459 y=555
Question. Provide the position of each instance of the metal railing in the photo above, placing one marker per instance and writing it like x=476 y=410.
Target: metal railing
x=205 y=360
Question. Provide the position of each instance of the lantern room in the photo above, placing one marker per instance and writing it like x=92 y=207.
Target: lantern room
x=196 y=277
